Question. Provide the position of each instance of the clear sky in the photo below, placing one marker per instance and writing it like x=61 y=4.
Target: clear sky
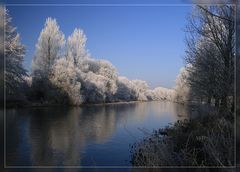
x=142 y=42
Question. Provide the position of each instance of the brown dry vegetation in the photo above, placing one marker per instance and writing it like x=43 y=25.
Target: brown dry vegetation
x=203 y=141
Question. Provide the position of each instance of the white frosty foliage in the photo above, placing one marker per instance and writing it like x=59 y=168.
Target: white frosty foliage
x=161 y=93
x=108 y=71
x=76 y=50
x=14 y=52
x=81 y=77
x=182 y=88
x=99 y=79
x=125 y=90
x=65 y=76
x=140 y=87
x=28 y=80
x=48 y=48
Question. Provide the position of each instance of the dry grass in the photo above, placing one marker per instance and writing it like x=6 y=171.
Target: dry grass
x=205 y=141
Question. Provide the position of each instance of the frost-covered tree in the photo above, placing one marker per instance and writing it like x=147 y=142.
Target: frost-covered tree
x=98 y=80
x=161 y=93
x=207 y=78
x=79 y=76
x=211 y=51
x=109 y=72
x=14 y=53
x=76 y=47
x=182 y=88
x=140 y=88
x=125 y=90
x=98 y=77
x=66 y=72
x=93 y=87
x=48 y=49
x=65 y=77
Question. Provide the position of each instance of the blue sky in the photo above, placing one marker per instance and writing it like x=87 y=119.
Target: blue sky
x=141 y=42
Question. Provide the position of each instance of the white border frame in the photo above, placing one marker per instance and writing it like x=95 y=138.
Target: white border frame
x=121 y=167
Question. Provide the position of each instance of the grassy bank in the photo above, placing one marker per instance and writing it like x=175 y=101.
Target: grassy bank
x=207 y=140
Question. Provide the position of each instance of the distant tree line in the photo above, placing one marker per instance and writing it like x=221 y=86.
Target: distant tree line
x=63 y=72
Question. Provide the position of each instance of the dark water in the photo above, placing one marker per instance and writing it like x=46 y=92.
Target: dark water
x=86 y=136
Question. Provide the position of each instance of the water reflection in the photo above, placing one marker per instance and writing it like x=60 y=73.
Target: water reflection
x=82 y=136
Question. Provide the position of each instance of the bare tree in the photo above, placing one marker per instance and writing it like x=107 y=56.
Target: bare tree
x=211 y=45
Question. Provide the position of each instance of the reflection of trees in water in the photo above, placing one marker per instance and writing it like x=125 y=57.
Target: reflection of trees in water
x=139 y=111
x=97 y=123
x=134 y=111
x=59 y=136
x=13 y=136
x=161 y=109
x=65 y=133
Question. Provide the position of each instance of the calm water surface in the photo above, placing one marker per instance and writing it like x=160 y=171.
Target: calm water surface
x=83 y=136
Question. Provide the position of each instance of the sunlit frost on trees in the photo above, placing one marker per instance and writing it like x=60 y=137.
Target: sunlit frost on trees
x=48 y=48
x=14 y=52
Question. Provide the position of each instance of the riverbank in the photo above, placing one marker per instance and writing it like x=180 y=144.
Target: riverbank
x=46 y=104
x=207 y=140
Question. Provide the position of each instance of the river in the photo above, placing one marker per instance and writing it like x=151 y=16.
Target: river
x=97 y=135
